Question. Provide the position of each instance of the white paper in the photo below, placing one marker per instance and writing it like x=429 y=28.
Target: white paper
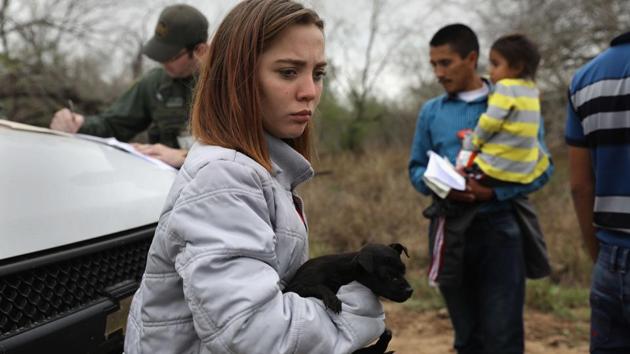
x=30 y=128
x=437 y=187
x=441 y=170
x=126 y=147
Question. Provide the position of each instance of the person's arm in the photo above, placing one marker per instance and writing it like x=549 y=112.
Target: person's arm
x=583 y=195
x=228 y=267
x=419 y=147
x=419 y=160
x=582 y=179
x=512 y=190
x=127 y=116
x=500 y=104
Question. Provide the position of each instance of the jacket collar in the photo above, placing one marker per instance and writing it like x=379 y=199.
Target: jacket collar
x=289 y=167
x=484 y=98
x=621 y=39
x=168 y=81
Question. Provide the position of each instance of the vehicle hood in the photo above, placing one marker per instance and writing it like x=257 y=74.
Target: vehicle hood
x=58 y=190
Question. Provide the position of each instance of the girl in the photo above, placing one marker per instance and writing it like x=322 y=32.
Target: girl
x=233 y=231
x=505 y=139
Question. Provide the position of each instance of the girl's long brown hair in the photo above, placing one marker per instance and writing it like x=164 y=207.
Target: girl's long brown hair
x=226 y=109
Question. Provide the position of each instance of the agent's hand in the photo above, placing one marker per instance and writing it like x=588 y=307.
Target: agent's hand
x=475 y=192
x=173 y=157
x=67 y=121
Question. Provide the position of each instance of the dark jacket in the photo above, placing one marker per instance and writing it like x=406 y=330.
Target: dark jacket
x=446 y=246
x=156 y=101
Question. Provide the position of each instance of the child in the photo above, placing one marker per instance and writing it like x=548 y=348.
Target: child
x=505 y=142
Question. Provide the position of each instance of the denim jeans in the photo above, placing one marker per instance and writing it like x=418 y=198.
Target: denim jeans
x=610 y=301
x=486 y=310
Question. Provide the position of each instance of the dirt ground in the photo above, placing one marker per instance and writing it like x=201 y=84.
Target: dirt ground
x=430 y=332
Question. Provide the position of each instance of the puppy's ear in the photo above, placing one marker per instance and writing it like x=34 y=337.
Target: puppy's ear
x=366 y=261
x=400 y=249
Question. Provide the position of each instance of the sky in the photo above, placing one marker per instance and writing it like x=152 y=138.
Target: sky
x=347 y=22
x=399 y=56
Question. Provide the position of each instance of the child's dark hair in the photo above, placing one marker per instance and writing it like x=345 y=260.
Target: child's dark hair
x=517 y=49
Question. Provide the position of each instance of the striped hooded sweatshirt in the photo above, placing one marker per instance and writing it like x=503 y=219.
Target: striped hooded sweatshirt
x=506 y=134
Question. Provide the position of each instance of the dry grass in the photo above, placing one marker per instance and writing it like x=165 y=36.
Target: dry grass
x=571 y=264
x=368 y=198
x=365 y=198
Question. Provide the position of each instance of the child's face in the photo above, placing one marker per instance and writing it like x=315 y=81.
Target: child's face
x=501 y=69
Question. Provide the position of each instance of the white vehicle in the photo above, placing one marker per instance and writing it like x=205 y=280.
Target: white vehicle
x=76 y=221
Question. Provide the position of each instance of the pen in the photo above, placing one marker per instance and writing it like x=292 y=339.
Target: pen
x=71 y=108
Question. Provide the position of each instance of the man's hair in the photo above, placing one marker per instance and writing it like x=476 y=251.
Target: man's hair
x=459 y=37
x=517 y=50
x=227 y=104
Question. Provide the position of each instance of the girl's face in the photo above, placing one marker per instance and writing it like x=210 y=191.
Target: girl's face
x=291 y=73
x=501 y=69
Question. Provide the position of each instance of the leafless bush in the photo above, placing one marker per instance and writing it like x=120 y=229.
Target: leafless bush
x=55 y=50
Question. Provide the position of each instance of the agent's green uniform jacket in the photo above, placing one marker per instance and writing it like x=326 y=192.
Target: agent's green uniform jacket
x=156 y=101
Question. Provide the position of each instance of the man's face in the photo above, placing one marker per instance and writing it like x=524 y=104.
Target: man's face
x=454 y=73
x=182 y=65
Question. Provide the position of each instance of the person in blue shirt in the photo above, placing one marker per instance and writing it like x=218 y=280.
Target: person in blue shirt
x=598 y=135
x=486 y=306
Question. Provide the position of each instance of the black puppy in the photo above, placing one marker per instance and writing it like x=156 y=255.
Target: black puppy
x=377 y=267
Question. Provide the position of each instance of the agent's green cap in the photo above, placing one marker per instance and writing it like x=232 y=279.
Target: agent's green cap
x=178 y=27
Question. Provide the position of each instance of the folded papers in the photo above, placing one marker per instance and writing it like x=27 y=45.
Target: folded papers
x=441 y=176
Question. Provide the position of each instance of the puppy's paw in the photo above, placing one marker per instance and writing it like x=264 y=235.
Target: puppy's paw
x=333 y=303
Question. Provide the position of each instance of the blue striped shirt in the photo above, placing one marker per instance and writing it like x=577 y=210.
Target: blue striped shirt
x=598 y=118
x=438 y=122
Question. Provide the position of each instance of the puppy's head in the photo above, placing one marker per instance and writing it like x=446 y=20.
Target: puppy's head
x=383 y=271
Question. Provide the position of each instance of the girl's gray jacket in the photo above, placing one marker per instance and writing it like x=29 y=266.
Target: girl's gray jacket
x=228 y=240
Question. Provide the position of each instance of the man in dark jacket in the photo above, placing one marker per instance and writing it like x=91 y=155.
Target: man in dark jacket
x=160 y=99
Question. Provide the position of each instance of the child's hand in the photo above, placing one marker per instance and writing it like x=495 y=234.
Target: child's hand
x=462 y=134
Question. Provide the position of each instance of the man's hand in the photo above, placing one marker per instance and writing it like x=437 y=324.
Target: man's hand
x=66 y=121
x=481 y=192
x=173 y=157
x=475 y=192
x=461 y=196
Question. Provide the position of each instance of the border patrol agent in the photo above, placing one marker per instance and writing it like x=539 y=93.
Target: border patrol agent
x=159 y=101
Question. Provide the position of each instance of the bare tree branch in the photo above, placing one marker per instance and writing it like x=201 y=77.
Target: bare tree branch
x=58 y=50
x=3 y=33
